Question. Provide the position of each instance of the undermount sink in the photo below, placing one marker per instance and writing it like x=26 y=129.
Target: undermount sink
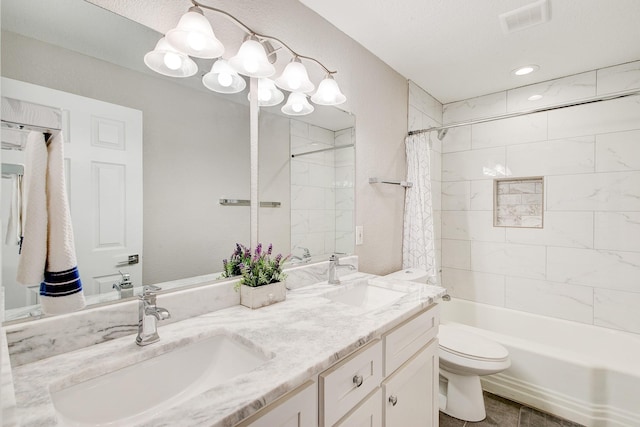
x=134 y=393
x=364 y=295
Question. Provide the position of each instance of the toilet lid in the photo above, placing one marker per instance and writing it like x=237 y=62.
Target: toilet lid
x=466 y=344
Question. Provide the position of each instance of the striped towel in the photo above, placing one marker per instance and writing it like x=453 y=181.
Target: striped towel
x=61 y=289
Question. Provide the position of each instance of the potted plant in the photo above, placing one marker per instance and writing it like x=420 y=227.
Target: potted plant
x=231 y=267
x=262 y=282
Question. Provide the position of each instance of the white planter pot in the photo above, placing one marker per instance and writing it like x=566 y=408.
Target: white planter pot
x=261 y=296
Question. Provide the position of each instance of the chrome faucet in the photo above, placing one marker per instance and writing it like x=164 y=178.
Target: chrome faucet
x=124 y=286
x=148 y=316
x=334 y=264
x=306 y=256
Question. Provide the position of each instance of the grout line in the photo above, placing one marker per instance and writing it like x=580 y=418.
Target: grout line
x=520 y=416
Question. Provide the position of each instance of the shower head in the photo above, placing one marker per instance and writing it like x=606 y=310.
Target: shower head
x=442 y=133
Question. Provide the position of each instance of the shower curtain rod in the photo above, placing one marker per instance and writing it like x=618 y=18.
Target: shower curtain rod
x=524 y=113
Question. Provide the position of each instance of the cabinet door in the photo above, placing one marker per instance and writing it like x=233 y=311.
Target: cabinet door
x=297 y=409
x=411 y=393
x=366 y=414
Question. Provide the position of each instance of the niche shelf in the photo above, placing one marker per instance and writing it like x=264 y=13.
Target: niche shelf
x=518 y=202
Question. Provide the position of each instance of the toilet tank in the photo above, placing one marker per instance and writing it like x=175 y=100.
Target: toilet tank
x=410 y=275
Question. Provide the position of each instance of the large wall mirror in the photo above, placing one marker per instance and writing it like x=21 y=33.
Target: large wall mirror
x=194 y=152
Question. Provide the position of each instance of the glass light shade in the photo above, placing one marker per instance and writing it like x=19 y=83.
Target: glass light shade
x=328 y=93
x=166 y=60
x=294 y=78
x=223 y=78
x=297 y=105
x=251 y=60
x=268 y=93
x=194 y=36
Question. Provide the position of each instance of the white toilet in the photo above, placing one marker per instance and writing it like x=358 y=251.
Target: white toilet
x=464 y=357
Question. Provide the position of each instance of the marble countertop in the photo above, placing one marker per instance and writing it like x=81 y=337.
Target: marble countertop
x=304 y=335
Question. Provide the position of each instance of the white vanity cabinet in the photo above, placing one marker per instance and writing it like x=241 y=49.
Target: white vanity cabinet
x=298 y=408
x=410 y=388
x=410 y=398
x=343 y=386
x=366 y=414
x=391 y=382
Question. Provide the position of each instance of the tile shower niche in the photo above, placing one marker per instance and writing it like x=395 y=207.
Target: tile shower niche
x=518 y=202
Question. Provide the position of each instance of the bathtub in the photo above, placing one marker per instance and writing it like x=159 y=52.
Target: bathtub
x=584 y=373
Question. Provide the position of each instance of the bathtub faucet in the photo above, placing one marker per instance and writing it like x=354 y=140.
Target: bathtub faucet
x=334 y=264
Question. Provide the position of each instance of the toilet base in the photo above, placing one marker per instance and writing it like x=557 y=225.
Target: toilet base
x=463 y=397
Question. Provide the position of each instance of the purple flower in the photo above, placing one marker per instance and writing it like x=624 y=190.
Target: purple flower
x=270 y=249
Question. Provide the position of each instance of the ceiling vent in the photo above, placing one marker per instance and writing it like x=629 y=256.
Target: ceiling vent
x=525 y=17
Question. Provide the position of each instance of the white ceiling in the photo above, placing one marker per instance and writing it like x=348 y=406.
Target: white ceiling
x=455 y=49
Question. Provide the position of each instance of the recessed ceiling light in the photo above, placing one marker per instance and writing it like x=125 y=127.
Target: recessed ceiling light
x=527 y=69
x=534 y=97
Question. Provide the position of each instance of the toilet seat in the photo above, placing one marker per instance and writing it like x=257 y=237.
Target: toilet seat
x=464 y=344
x=469 y=354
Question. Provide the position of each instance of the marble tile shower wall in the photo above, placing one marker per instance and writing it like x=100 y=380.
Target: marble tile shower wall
x=584 y=265
x=425 y=111
x=344 y=178
x=322 y=201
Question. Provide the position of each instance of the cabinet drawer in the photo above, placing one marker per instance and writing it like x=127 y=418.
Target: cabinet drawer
x=346 y=383
x=406 y=339
x=366 y=414
x=298 y=408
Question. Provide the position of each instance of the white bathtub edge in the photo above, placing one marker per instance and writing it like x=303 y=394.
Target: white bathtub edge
x=558 y=404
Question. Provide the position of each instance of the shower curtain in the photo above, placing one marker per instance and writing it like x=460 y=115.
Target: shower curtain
x=418 y=249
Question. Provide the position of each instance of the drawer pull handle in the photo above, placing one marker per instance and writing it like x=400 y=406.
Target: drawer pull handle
x=393 y=400
x=358 y=380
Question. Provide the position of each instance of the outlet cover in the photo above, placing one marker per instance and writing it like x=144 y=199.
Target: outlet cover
x=359 y=234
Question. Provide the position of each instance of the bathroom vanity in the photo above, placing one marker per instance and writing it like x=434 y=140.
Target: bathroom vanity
x=363 y=351
x=391 y=381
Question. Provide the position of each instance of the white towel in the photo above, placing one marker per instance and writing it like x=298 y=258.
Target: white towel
x=14 y=223
x=61 y=290
x=33 y=258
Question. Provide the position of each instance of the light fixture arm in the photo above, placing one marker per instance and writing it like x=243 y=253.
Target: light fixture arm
x=247 y=29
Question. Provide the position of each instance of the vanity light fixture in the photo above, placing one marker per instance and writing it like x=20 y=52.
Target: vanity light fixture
x=268 y=94
x=294 y=78
x=297 y=105
x=223 y=78
x=168 y=61
x=193 y=36
x=527 y=69
x=328 y=93
x=251 y=59
x=534 y=98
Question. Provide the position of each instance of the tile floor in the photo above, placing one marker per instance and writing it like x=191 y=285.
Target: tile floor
x=505 y=413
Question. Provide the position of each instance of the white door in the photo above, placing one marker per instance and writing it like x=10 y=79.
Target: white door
x=103 y=165
x=410 y=394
